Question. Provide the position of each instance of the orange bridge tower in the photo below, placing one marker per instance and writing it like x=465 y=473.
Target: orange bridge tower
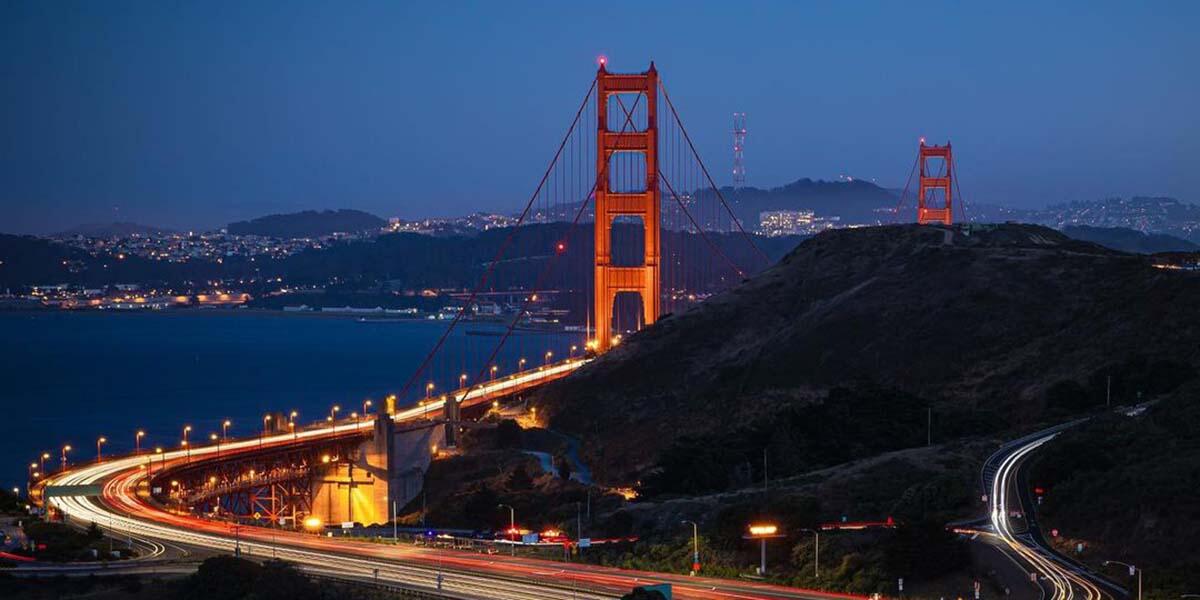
x=631 y=137
x=930 y=184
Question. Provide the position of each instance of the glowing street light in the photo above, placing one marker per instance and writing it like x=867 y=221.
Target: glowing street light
x=99 y=441
x=763 y=532
x=188 y=449
x=573 y=349
x=462 y=380
x=65 y=450
x=493 y=371
x=42 y=461
x=333 y=412
x=292 y=428
x=217 y=440
x=137 y=441
x=521 y=365
x=225 y=429
x=366 y=404
x=549 y=354
x=266 y=421
x=186 y=430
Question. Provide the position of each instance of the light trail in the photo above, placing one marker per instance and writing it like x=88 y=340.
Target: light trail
x=465 y=575
x=1064 y=577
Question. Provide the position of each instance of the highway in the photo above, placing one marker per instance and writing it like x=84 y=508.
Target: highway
x=1007 y=496
x=124 y=513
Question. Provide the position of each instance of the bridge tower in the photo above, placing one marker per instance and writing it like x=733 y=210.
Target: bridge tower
x=643 y=279
x=931 y=183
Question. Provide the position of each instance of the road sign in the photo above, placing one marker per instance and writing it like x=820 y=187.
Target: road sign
x=347 y=524
x=585 y=542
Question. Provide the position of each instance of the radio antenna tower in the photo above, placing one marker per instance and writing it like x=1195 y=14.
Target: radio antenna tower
x=739 y=147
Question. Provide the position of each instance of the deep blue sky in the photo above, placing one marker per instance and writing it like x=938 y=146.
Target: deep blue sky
x=190 y=115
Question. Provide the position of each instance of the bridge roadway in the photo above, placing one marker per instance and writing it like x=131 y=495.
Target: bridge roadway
x=124 y=511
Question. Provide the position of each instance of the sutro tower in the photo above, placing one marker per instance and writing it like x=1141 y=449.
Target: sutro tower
x=739 y=147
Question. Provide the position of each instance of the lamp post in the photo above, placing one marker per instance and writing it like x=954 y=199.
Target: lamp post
x=65 y=450
x=549 y=355
x=763 y=532
x=266 y=421
x=100 y=440
x=187 y=448
x=492 y=371
x=695 y=546
x=366 y=404
x=817 y=552
x=225 y=429
x=573 y=349
x=425 y=404
x=521 y=365
x=292 y=428
x=1132 y=569
x=217 y=440
x=161 y=463
x=512 y=524
x=42 y=461
x=186 y=430
x=462 y=380
x=333 y=412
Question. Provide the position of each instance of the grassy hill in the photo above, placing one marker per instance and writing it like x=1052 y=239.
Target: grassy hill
x=839 y=351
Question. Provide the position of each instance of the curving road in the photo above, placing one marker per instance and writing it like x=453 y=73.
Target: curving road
x=1062 y=578
x=123 y=510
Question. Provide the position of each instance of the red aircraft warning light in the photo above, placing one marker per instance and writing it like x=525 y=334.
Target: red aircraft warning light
x=932 y=183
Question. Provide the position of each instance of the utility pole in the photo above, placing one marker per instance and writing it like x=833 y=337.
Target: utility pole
x=929 y=426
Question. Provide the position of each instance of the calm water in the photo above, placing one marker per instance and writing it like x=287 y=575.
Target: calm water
x=68 y=378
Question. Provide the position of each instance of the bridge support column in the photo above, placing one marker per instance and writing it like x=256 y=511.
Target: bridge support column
x=611 y=279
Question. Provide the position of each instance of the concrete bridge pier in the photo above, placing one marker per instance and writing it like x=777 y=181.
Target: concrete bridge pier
x=387 y=468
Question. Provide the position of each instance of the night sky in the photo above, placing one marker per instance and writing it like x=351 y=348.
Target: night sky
x=190 y=115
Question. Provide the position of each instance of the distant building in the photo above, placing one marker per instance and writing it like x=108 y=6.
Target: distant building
x=774 y=223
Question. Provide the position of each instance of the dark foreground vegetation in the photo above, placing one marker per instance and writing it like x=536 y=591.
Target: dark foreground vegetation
x=1127 y=488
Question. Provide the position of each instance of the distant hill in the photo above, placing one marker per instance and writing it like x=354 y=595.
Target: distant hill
x=855 y=202
x=111 y=230
x=848 y=340
x=1130 y=240
x=308 y=224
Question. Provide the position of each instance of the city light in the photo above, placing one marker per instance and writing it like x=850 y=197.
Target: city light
x=763 y=529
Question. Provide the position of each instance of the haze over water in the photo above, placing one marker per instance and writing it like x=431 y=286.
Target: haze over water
x=69 y=378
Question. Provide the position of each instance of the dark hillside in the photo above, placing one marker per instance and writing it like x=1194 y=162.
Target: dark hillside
x=991 y=326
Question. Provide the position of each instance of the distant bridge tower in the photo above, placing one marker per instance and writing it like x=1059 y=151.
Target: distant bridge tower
x=643 y=279
x=739 y=148
x=931 y=183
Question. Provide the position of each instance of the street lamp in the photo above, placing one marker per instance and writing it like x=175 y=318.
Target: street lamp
x=573 y=349
x=695 y=546
x=186 y=429
x=137 y=441
x=161 y=463
x=188 y=449
x=462 y=380
x=1132 y=569
x=99 y=441
x=817 y=552
x=366 y=404
x=763 y=532
x=333 y=412
x=65 y=450
x=549 y=354
x=217 y=440
x=225 y=429
x=493 y=372
x=521 y=365
x=292 y=428
x=266 y=421
x=42 y=461
x=512 y=524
